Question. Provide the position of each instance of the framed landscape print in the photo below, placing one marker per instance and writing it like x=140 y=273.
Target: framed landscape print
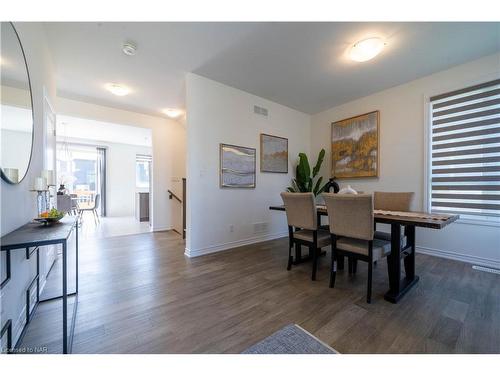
x=273 y=154
x=355 y=146
x=237 y=166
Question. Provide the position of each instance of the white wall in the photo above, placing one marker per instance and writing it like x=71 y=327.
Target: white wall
x=402 y=153
x=168 y=149
x=220 y=114
x=18 y=205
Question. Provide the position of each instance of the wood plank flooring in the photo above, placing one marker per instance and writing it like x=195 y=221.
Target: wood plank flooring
x=140 y=294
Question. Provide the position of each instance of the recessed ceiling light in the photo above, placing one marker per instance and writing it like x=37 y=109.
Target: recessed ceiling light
x=115 y=88
x=366 y=49
x=172 y=112
x=129 y=48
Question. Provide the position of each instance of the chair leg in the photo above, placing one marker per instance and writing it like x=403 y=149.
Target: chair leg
x=314 y=250
x=340 y=262
x=354 y=266
x=333 y=267
x=349 y=264
x=369 y=288
x=290 y=259
x=97 y=215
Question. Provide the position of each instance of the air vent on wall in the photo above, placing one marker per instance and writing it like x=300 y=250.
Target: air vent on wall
x=260 y=110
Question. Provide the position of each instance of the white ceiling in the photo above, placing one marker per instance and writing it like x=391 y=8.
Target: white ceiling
x=300 y=65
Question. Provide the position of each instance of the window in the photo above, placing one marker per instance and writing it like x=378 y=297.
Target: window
x=465 y=152
x=142 y=170
x=76 y=168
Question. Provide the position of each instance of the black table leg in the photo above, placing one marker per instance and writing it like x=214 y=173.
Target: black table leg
x=65 y=298
x=409 y=260
x=76 y=256
x=398 y=287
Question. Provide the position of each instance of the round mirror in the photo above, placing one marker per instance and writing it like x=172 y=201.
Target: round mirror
x=16 y=127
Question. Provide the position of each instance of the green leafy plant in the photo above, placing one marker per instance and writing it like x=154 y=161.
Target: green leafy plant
x=304 y=181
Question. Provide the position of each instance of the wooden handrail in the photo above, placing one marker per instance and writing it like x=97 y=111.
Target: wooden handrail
x=172 y=195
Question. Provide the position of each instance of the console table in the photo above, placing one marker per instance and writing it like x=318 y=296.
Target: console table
x=35 y=235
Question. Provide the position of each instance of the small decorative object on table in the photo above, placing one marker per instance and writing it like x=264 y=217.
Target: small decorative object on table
x=332 y=184
x=348 y=190
x=61 y=190
x=49 y=217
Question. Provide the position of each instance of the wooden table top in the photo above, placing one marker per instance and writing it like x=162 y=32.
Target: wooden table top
x=432 y=221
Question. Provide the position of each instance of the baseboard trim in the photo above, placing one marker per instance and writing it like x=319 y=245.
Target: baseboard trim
x=230 y=245
x=460 y=257
x=161 y=229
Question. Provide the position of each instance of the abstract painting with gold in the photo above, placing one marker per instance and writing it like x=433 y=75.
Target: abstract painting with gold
x=355 y=146
x=273 y=154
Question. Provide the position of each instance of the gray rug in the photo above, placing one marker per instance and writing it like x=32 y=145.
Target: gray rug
x=291 y=339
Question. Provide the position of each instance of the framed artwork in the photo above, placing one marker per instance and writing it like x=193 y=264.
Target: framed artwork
x=355 y=146
x=273 y=154
x=237 y=166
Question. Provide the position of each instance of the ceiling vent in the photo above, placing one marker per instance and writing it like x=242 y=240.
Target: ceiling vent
x=260 y=110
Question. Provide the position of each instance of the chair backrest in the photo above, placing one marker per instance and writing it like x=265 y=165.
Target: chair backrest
x=97 y=200
x=300 y=210
x=393 y=201
x=350 y=215
x=74 y=200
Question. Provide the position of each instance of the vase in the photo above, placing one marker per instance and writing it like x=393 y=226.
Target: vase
x=62 y=190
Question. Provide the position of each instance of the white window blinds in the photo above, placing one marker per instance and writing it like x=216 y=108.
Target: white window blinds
x=466 y=150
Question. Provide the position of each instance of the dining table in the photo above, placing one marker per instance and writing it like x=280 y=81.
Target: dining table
x=398 y=285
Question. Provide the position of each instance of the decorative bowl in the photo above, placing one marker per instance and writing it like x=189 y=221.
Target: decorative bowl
x=48 y=220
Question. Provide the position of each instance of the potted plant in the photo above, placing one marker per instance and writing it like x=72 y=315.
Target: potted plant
x=305 y=182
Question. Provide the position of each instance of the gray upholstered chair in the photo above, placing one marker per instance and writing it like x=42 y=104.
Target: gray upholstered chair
x=74 y=204
x=303 y=228
x=351 y=228
x=392 y=201
x=91 y=207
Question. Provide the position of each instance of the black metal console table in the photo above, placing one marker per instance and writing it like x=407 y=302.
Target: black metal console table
x=35 y=235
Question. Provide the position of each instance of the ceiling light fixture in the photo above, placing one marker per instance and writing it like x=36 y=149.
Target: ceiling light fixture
x=366 y=49
x=117 y=89
x=129 y=49
x=172 y=112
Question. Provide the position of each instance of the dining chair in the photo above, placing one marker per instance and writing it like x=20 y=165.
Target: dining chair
x=392 y=201
x=303 y=228
x=74 y=204
x=91 y=207
x=352 y=233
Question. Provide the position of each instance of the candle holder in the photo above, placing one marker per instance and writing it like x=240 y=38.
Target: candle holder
x=42 y=201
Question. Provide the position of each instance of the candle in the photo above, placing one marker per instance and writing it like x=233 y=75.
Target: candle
x=40 y=184
x=49 y=176
x=12 y=174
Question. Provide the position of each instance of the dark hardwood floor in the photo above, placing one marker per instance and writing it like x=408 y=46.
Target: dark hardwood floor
x=140 y=294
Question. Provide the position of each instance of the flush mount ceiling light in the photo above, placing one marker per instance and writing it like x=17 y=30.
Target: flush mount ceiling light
x=172 y=112
x=366 y=49
x=116 y=89
x=129 y=49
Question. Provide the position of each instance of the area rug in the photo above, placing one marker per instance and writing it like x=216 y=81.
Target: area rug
x=291 y=339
